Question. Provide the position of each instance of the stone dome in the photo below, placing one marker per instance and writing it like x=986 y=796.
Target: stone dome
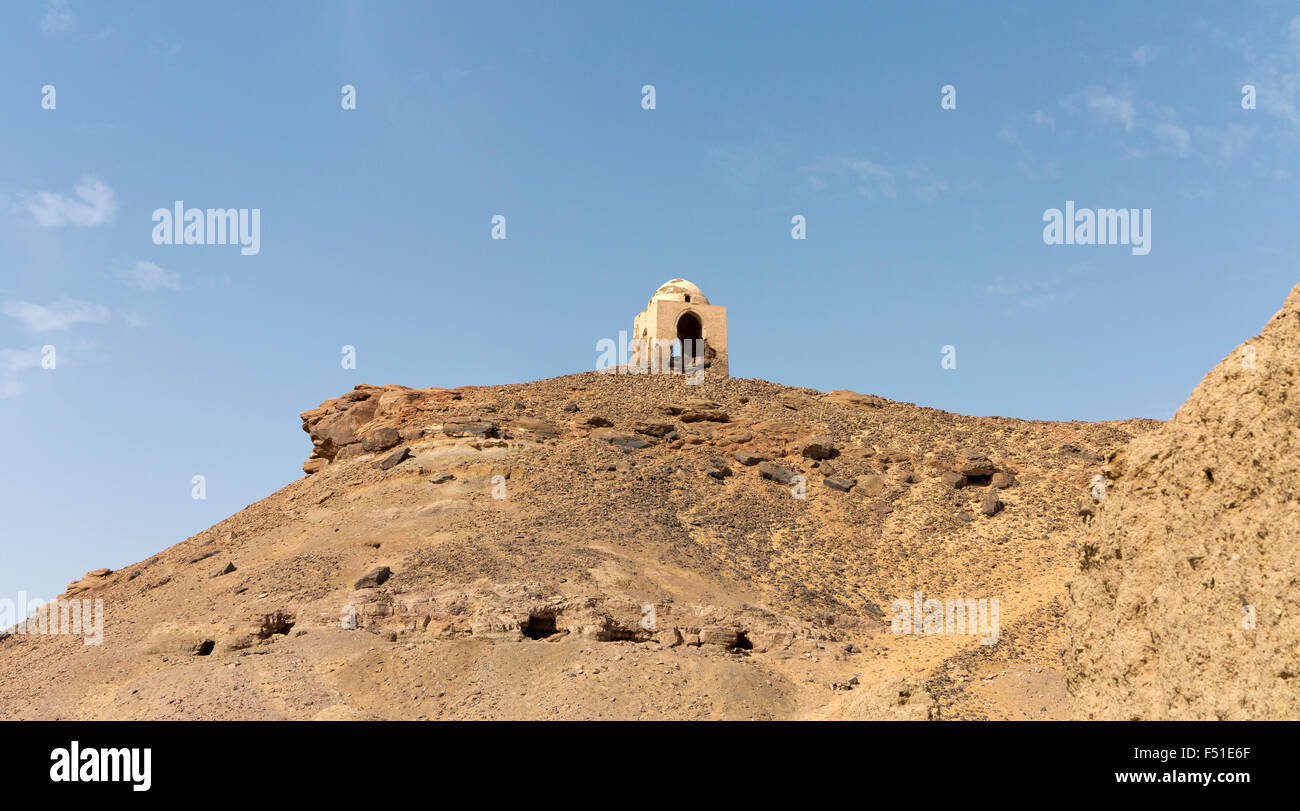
x=679 y=290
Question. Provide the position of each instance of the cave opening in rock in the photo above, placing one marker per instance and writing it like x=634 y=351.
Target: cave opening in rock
x=540 y=627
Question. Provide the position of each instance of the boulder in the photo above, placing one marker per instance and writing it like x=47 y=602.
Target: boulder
x=656 y=429
x=374 y=578
x=972 y=463
x=903 y=474
x=819 y=448
x=719 y=635
x=721 y=472
x=381 y=439
x=704 y=416
x=394 y=459
x=775 y=473
x=620 y=439
x=992 y=505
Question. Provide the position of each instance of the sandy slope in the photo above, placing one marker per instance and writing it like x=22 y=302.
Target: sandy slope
x=535 y=604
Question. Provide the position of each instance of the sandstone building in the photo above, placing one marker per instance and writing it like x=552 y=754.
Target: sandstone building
x=679 y=311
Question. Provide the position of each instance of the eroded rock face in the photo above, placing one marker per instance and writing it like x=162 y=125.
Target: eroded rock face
x=92 y=579
x=1185 y=605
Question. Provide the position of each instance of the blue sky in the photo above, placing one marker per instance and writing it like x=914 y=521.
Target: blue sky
x=924 y=225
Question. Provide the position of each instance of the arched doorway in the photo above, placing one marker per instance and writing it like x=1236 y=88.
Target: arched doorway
x=690 y=337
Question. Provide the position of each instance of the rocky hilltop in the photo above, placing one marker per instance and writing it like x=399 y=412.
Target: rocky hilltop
x=604 y=546
x=1187 y=604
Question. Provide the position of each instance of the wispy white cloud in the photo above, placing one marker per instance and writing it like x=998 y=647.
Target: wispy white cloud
x=1143 y=55
x=148 y=276
x=1169 y=133
x=95 y=205
x=1110 y=108
x=1050 y=289
x=58 y=17
x=13 y=363
x=1143 y=128
x=876 y=181
x=57 y=315
x=1277 y=78
x=1037 y=170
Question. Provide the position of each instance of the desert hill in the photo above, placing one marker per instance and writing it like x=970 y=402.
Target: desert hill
x=1187 y=604
x=603 y=546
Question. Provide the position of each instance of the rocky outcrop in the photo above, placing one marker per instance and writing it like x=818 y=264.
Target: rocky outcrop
x=1184 y=605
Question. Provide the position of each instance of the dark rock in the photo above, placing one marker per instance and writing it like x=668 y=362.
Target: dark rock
x=571 y=407
x=393 y=459
x=374 y=578
x=953 y=479
x=598 y=422
x=775 y=473
x=835 y=483
x=439 y=478
x=749 y=458
x=227 y=569
x=659 y=429
x=820 y=448
x=719 y=468
x=992 y=504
